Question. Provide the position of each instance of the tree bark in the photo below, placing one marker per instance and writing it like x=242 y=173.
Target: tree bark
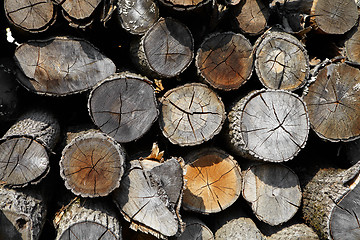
x=281 y=61
x=334 y=17
x=268 y=125
x=22 y=213
x=124 y=106
x=61 y=66
x=25 y=146
x=92 y=165
x=191 y=114
x=225 y=60
x=165 y=50
x=250 y=17
x=213 y=181
x=273 y=191
x=299 y=231
x=87 y=219
x=30 y=15
x=137 y=16
x=195 y=229
x=149 y=197
x=333 y=103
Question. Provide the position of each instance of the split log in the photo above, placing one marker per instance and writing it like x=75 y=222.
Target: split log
x=137 y=16
x=188 y=5
x=333 y=101
x=225 y=60
x=92 y=165
x=250 y=17
x=195 y=229
x=22 y=213
x=87 y=219
x=165 y=50
x=191 y=114
x=329 y=205
x=124 y=106
x=268 y=125
x=30 y=15
x=334 y=17
x=25 y=146
x=61 y=66
x=273 y=191
x=281 y=61
x=352 y=46
x=149 y=197
x=213 y=181
x=8 y=93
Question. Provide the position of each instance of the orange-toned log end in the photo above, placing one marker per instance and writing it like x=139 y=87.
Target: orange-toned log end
x=213 y=180
x=92 y=165
x=333 y=103
x=225 y=60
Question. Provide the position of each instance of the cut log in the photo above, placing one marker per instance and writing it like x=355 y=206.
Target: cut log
x=149 y=197
x=281 y=61
x=61 y=66
x=165 y=50
x=191 y=114
x=250 y=17
x=333 y=101
x=225 y=60
x=30 y=15
x=137 y=16
x=124 y=106
x=87 y=219
x=22 y=213
x=188 y=5
x=352 y=46
x=299 y=231
x=92 y=165
x=323 y=208
x=213 y=181
x=195 y=229
x=8 y=93
x=25 y=146
x=273 y=191
x=268 y=125
x=334 y=17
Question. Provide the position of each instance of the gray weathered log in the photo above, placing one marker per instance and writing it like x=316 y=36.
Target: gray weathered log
x=124 y=106
x=195 y=229
x=268 y=125
x=22 y=213
x=87 y=219
x=92 y=164
x=61 y=66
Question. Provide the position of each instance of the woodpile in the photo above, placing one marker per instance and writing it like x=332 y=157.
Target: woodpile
x=169 y=119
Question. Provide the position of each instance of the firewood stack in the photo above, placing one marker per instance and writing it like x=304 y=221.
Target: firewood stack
x=168 y=119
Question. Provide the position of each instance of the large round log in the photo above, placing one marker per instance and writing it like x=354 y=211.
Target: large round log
x=165 y=50
x=92 y=165
x=124 y=106
x=61 y=66
x=30 y=15
x=333 y=103
x=225 y=60
x=213 y=181
x=281 y=61
x=268 y=125
x=273 y=191
x=191 y=114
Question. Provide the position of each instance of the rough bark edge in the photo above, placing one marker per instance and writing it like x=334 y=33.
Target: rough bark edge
x=201 y=46
x=20 y=74
x=90 y=135
x=279 y=34
x=193 y=157
x=217 y=131
x=239 y=146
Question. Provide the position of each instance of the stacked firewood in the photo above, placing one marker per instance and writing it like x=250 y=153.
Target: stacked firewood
x=201 y=119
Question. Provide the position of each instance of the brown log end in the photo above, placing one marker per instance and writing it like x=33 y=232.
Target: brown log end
x=181 y=5
x=333 y=103
x=92 y=165
x=213 y=181
x=191 y=114
x=352 y=46
x=225 y=60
